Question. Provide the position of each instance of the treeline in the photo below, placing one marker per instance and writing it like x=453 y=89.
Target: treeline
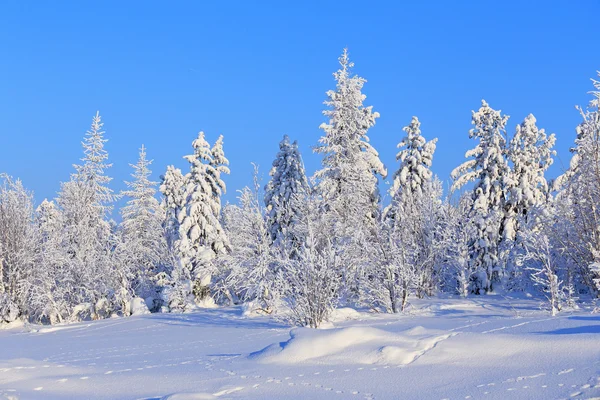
x=301 y=246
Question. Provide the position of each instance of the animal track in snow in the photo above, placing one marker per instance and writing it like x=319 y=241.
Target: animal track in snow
x=566 y=371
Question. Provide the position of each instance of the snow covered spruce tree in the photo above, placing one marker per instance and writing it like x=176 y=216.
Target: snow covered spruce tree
x=579 y=188
x=530 y=152
x=85 y=200
x=414 y=173
x=248 y=273
x=288 y=180
x=172 y=188
x=348 y=181
x=17 y=248
x=489 y=168
x=220 y=165
x=404 y=251
x=47 y=299
x=201 y=237
x=143 y=247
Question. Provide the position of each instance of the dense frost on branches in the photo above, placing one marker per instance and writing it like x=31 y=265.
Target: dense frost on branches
x=297 y=251
x=172 y=189
x=348 y=180
x=456 y=229
x=17 y=247
x=416 y=155
x=200 y=227
x=250 y=267
x=530 y=152
x=201 y=237
x=220 y=165
x=143 y=247
x=288 y=181
x=413 y=180
x=92 y=171
x=540 y=261
x=310 y=283
x=579 y=188
x=489 y=168
x=85 y=201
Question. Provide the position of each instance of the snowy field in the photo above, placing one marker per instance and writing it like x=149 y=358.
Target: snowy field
x=483 y=347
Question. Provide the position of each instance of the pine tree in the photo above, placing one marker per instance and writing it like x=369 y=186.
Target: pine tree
x=530 y=152
x=414 y=173
x=92 y=171
x=288 y=181
x=489 y=168
x=579 y=188
x=48 y=218
x=348 y=180
x=220 y=165
x=143 y=247
x=172 y=189
x=201 y=236
x=84 y=202
x=17 y=247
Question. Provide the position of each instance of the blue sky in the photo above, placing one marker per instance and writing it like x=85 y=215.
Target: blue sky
x=159 y=72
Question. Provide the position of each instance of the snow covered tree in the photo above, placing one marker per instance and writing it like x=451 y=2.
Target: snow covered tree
x=92 y=171
x=250 y=267
x=348 y=180
x=143 y=247
x=17 y=247
x=403 y=252
x=539 y=260
x=288 y=180
x=84 y=202
x=414 y=174
x=415 y=207
x=489 y=168
x=309 y=284
x=220 y=165
x=530 y=152
x=455 y=232
x=579 y=187
x=172 y=189
x=388 y=275
x=201 y=236
x=48 y=298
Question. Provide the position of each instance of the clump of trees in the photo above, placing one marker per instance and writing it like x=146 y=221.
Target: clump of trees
x=301 y=246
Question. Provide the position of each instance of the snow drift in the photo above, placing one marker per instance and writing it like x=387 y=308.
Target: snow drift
x=353 y=345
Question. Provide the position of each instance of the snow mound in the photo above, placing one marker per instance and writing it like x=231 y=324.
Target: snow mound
x=137 y=306
x=354 y=345
x=344 y=314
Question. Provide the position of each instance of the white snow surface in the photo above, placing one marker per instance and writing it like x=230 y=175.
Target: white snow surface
x=488 y=347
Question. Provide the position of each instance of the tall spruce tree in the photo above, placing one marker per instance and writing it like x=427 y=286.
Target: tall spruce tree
x=414 y=174
x=288 y=182
x=489 y=168
x=201 y=236
x=348 y=181
x=143 y=247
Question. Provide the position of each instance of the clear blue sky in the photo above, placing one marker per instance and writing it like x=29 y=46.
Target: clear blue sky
x=159 y=72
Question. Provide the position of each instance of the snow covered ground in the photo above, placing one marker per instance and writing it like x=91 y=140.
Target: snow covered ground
x=485 y=347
